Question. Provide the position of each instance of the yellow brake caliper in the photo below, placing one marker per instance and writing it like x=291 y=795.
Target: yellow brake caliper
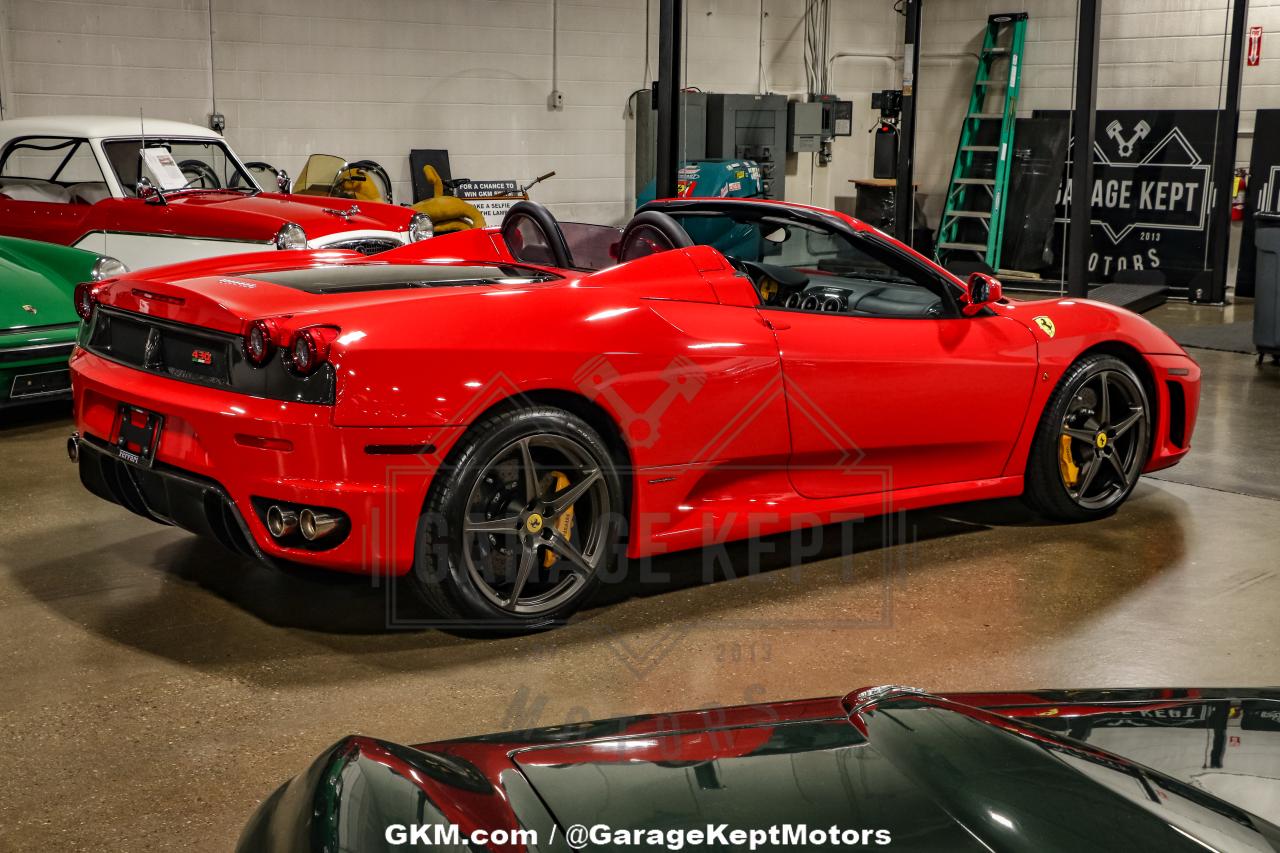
x=564 y=523
x=1067 y=462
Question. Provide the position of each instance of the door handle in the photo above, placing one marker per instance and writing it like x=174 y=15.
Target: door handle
x=776 y=325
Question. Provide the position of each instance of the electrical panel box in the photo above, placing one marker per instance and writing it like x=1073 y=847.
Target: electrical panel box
x=837 y=116
x=750 y=127
x=693 y=122
x=804 y=126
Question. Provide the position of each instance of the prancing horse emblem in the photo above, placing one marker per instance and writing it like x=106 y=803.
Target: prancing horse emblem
x=1046 y=325
x=30 y=309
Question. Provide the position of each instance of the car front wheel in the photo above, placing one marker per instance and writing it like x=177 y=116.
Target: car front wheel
x=521 y=523
x=1092 y=442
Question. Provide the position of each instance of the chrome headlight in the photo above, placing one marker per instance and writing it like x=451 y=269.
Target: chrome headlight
x=420 y=227
x=107 y=267
x=291 y=236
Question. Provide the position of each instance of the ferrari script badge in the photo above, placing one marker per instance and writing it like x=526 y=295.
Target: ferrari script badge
x=30 y=309
x=1046 y=325
x=533 y=523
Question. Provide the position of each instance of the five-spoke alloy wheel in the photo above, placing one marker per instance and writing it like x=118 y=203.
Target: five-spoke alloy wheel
x=522 y=522
x=1092 y=442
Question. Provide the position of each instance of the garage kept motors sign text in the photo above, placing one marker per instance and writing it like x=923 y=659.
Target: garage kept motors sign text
x=1151 y=196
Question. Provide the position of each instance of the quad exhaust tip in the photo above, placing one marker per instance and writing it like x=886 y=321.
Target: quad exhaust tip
x=316 y=525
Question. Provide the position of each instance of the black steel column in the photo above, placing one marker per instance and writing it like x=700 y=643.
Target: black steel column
x=670 y=19
x=1084 y=128
x=904 y=201
x=1224 y=164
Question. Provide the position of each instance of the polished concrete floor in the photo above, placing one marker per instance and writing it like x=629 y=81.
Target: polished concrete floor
x=153 y=688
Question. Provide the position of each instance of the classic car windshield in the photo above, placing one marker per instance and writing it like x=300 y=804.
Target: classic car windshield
x=206 y=163
x=318 y=175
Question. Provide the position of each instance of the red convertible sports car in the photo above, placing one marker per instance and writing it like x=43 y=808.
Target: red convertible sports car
x=500 y=414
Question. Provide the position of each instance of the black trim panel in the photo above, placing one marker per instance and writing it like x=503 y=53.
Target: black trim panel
x=202 y=357
x=27 y=353
x=399 y=449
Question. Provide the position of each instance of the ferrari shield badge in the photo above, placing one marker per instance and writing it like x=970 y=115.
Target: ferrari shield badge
x=30 y=309
x=1046 y=325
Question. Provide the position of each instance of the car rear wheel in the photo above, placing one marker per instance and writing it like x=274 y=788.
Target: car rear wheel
x=1092 y=442
x=521 y=523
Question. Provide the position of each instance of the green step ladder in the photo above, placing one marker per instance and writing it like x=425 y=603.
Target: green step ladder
x=972 y=221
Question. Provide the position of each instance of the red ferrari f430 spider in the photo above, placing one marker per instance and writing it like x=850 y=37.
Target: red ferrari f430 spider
x=501 y=414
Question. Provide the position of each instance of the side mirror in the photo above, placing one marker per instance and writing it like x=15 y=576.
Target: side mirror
x=984 y=290
x=148 y=192
x=283 y=182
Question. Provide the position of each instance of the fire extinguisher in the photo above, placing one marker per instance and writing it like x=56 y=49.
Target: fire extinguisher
x=1238 y=188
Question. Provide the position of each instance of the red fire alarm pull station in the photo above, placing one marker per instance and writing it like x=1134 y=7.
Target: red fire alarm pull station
x=1255 y=45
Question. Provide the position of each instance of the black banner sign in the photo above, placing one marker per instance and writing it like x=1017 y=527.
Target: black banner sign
x=1260 y=715
x=1263 y=195
x=1151 y=197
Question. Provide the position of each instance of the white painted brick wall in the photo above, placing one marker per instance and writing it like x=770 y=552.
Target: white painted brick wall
x=296 y=77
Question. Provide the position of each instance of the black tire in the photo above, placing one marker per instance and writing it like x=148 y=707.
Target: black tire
x=1105 y=445
x=461 y=571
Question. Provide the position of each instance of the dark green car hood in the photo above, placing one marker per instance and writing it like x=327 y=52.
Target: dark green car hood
x=937 y=775
x=42 y=276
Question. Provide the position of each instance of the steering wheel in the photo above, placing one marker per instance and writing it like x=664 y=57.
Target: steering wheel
x=200 y=174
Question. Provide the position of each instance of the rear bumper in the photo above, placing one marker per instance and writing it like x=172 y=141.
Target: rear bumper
x=223 y=458
x=1177 y=386
x=166 y=495
x=33 y=365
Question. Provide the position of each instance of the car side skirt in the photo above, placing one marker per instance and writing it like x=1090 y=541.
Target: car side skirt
x=665 y=521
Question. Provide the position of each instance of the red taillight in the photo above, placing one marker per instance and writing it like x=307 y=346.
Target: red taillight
x=310 y=347
x=84 y=300
x=258 y=343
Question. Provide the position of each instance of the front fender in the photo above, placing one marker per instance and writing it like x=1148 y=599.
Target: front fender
x=1078 y=326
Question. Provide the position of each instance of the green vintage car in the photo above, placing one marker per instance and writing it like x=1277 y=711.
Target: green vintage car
x=38 y=320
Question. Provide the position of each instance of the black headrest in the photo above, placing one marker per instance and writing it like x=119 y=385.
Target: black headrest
x=546 y=223
x=652 y=223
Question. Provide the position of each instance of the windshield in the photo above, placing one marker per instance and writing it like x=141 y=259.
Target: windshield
x=806 y=264
x=206 y=164
x=791 y=244
x=319 y=175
